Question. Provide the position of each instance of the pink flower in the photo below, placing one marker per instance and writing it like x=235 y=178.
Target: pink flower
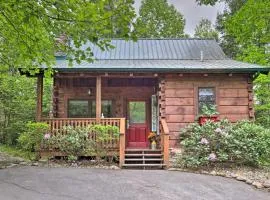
x=204 y=141
x=218 y=130
x=212 y=157
x=47 y=136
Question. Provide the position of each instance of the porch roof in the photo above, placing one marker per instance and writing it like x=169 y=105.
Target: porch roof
x=159 y=55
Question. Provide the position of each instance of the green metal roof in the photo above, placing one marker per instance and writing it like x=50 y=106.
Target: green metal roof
x=160 y=55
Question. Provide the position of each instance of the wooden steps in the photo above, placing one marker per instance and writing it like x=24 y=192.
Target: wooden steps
x=143 y=159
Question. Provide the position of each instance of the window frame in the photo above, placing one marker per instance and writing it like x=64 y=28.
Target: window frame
x=214 y=88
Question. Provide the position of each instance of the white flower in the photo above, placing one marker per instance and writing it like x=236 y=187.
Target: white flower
x=204 y=141
x=212 y=157
x=47 y=136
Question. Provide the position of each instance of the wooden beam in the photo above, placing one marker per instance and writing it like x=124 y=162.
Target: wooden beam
x=39 y=98
x=98 y=98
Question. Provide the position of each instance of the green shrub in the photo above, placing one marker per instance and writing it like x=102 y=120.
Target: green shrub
x=32 y=138
x=80 y=140
x=243 y=142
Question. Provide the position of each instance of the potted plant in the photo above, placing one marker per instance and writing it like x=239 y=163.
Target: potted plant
x=208 y=112
x=152 y=137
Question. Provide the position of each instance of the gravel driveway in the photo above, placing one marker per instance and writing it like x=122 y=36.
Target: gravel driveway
x=79 y=184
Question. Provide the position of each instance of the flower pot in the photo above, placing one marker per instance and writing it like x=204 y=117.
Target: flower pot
x=204 y=119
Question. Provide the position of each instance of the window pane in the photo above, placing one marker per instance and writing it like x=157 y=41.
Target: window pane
x=137 y=112
x=206 y=94
x=78 y=108
x=106 y=108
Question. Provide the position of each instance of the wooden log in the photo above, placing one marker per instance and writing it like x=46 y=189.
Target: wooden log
x=180 y=118
x=179 y=110
x=232 y=101
x=233 y=93
x=233 y=109
x=179 y=92
x=178 y=101
x=39 y=97
x=98 y=98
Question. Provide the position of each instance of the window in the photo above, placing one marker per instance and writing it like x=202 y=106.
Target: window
x=137 y=112
x=87 y=108
x=206 y=96
x=78 y=108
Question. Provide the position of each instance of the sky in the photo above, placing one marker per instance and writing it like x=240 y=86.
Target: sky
x=192 y=12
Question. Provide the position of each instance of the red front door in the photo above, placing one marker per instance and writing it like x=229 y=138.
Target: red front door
x=137 y=130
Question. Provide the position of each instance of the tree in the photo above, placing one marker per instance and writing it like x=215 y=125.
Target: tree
x=158 y=19
x=17 y=104
x=227 y=41
x=29 y=28
x=250 y=27
x=205 y=30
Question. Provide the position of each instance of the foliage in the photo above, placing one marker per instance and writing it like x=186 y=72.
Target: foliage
x=262 y=101
x=205 y=29
x=253 y=33
x=158 y=19
x=17 y=104
x=243 y=142
x=84 y=140
x=29 y=29
x=208 y=110
x=32 y=138
x=17 y=152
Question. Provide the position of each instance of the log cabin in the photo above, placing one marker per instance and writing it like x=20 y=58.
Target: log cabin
x=152 y=85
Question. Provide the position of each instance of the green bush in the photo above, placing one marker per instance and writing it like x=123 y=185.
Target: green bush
x=243 y=142
x=32 y=138
x=80 y=141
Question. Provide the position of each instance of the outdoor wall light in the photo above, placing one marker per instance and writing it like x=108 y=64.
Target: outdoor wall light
x=89 y=92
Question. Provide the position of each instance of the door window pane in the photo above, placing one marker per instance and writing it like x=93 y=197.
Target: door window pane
x=137 y=112
x=206 y=97
x=78 y=108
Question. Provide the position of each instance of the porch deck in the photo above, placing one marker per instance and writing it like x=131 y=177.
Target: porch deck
x=114 y=146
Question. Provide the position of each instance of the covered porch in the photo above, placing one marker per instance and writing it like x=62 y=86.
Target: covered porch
x=129 y=101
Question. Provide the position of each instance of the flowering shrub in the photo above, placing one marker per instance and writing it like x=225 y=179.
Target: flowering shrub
x=243 y=142
x=32 y=138
x=80 y=140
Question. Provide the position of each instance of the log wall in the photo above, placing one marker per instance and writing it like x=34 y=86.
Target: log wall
x=234 y=98
x=65 y=90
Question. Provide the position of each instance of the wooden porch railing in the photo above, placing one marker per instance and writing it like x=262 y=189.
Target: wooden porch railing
x=56 y=127
x=165 y=141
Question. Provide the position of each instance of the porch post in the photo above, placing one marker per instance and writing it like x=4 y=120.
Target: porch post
x=39 y=97
x=98 y=98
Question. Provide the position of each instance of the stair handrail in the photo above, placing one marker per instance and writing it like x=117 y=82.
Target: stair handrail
x=165 y=141
x=122 y=141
